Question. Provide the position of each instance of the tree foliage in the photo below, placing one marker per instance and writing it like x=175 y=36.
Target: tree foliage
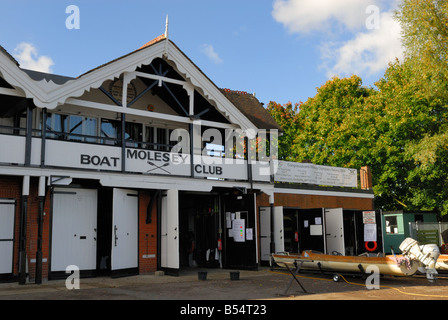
x=387 y=128
x=286 y=117
x=410 y=116
x=399 y=128
x=425 y=39
x=329 y=123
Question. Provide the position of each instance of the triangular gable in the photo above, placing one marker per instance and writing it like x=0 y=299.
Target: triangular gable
x=48 y=94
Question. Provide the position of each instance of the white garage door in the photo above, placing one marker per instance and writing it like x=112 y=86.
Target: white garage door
x=74 y=229
x=7 y=210
x=265 y=231
x=169 y=230
x=125 y=229
x=334 y=226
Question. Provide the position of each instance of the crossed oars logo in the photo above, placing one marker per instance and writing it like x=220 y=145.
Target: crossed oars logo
x=158 y=167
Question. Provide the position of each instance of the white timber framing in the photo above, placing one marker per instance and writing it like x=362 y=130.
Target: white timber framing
x=47 y=94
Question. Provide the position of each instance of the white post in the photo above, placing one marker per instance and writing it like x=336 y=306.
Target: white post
x=26 y=186
x=41 y=186
x=124 y=97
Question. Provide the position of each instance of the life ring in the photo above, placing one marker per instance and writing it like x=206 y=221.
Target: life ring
x=368 y=248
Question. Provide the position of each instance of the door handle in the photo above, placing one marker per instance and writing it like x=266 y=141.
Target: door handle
x=115 y=235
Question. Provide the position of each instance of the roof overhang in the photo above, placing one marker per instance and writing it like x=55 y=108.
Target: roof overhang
x=48 y=94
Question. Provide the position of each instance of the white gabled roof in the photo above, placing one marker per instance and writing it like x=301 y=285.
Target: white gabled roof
x=47 y=94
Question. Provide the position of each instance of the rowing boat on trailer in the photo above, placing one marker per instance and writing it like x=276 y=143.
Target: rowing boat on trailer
x=414 y=258
x=309 y=260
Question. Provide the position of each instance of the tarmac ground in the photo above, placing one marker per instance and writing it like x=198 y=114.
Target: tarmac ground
x=262 y=284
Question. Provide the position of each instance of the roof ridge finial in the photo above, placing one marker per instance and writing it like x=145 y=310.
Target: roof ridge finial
x=166 y=27
x=166 y=37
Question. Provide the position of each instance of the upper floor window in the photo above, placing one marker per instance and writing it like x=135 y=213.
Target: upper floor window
x=133 y=134
x=110 y=131
x=107 y=131
x=71 y=127
x=82 y=128
x=158 y=139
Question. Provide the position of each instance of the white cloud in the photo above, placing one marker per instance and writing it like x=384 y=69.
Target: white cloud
x=27 y=56
x=357 y=49
x=303 y=16
x=210 y=52
x=367 y=53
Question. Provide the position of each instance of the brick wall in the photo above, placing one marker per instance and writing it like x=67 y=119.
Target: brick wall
x=11 y=187
x=32 y=230
x=315 y=201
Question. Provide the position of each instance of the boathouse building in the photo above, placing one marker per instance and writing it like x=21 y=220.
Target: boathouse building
x=144 y=164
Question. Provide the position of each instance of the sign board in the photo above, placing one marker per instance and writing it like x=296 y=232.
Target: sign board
x=370 y=232
x=316 y=230
x=368 y=217
x=109 y=158
x=238 y=230
x=315 y=174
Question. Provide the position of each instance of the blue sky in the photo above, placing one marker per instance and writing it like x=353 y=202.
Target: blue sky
x=280 y=49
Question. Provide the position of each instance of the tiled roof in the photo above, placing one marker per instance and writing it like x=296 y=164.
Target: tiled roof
x=155 y=40
x=249 y=105
x=37 y=76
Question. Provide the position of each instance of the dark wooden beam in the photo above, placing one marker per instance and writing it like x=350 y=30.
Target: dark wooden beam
x=110 y=96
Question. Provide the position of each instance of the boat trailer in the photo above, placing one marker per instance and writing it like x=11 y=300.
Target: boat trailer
x=414 y=258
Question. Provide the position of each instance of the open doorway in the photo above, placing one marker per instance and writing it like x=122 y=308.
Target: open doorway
x=311 y=230
x=199 y=216
x=291 y=229
x=104 y=231
x=239 y=231
x=351 y=233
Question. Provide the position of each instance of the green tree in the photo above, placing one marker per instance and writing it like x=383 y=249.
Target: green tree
x=425 y=39
x=399 y=128
x=349 y=125
x=407 y=116
x=286 y=117
x=331 y=126
x=431 y=173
